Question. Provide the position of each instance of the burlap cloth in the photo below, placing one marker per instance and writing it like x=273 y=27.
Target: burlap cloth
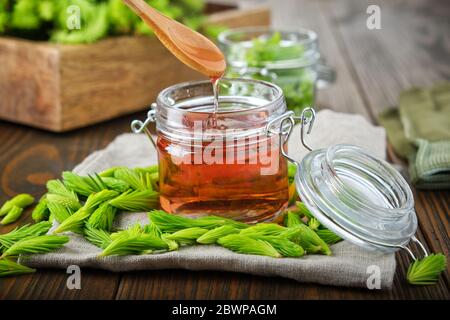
x=348 y=266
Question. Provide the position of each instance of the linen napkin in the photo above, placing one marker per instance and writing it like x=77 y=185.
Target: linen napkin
x=419 y=130
x=349 y=265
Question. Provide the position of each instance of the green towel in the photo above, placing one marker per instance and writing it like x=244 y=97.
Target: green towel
x=419 y=130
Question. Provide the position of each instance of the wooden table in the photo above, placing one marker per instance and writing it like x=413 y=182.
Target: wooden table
x=373 y=66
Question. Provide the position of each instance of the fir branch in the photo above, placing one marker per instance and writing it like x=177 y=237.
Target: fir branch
x=171 y=223
x=102 y=218
x=135 y=180
x=109 y=172
x=264 y=229
x=34 y=245
x=187 y=236
x=292 y=219
x=307 y=238
x=133 y=243
x=22 y=200
x=328 y=236
x=60 y=194
x=100 y=238
x=247 y=245
x=427 y=270
x=26 y=231
x=116 y=184
x=213 y=235
x=136 y=201
x=285 y=247
x=59 y=211
x=41 y=211
x=13 y=214
x=11 y=268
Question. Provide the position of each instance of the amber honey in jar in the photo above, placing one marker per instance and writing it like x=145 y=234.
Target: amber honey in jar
x=221 y=162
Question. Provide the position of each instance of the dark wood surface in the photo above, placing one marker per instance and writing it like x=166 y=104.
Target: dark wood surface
x=373 y=66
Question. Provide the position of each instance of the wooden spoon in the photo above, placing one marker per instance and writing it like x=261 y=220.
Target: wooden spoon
x=189 y=46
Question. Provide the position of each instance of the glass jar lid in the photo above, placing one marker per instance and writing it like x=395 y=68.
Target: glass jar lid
x=359 y=197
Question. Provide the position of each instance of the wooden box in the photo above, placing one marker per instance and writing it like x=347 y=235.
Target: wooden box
x=63 y=87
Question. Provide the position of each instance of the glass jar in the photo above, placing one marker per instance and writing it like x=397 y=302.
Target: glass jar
x=289 y=59
x=357 y=196
x=220 y=163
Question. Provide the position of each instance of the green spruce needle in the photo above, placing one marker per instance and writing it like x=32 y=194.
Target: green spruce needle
x=58 y=211
x=26 y=231
x=11 y=268
x=187 y=236
x=223 y=221
x=133 y=243
x=303 y=210
x=172 y=244
x=213 y=235
x=13 y=214
x=264 y=229
x=95 y=199
x=22 y=200
x=59 y=193
x=63 y=201
x=33 y=245
x=100 y=238
x=328 y=236
x=285 y=247
x=103 y=217
x=81 y=185
x=170 y=223
x=314 y=224
x=76 y=221
x=426 y=271
x=292 y=219
x=116 y=184
x=153 y=230
x=41 y=211
x=135 y=180
x=247 y=245
x=307 y=238
x=136 y=201
x=109 y=172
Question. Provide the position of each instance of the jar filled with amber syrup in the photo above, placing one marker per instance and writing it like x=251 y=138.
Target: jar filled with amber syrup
x=217 y=159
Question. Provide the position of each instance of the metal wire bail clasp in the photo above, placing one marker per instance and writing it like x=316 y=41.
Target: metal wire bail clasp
x=421 y=246
x=286 y=123
x=137 y=126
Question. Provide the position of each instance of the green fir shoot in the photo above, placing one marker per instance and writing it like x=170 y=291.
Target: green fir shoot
x=187 y=236
x=243 y=244
x=292 y=219
x=22 y=200
x=13 y=215
x=58 y=211
x=34 y=245
x=136 y=201
x=41 y=211
x=307 y=238
x=26 y=231
x=11 y=268
x=100 y=238
x=103 y=217
x=426 y=271
x=213 y=235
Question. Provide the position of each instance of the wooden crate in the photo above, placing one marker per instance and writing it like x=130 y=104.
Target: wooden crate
x=63 y=87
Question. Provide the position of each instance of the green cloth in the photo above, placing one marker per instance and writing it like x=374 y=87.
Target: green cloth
x=419 y=130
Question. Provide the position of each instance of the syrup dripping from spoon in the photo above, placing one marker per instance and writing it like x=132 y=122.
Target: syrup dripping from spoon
x=189 y=46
